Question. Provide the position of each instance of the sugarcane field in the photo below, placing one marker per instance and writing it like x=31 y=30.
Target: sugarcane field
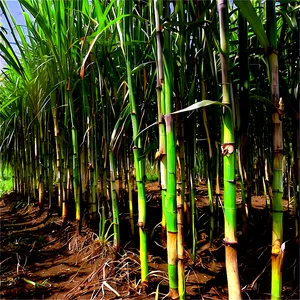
x=149 y=149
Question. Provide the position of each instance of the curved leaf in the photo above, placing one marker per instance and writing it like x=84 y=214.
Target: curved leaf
x=248 y=11
x=197 y=105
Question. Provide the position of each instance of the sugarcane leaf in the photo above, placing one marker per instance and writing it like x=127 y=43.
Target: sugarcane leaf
x=201 y=104
x=140 y=18
x=119 y=126
x=155 y=123
x=9 y=136
x=214 y=34
x=10 y=61
x=249 y=13
x=7 y=103
x=37 y=17
x=292 y=23
x=4 y=8
x=141 y=66
x=10 y=54
x=116 y=20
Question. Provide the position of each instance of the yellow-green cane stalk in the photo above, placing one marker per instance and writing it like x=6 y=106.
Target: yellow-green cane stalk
x=128 y=33
x=277 y=183
x=75 y=164
x=228 y=151
x=161 y=154
x=170 y=208
x=170 y=202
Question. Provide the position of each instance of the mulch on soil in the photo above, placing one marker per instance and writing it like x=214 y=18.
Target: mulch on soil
x=41 y=260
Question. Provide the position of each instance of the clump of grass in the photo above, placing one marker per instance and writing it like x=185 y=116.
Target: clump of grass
x=151 y=177
x=6 y=181
x=151 y=171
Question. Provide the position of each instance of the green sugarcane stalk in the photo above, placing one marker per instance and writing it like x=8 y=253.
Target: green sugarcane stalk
x=86 y=162
x=28 y=167
x=93 y=162
x=42 y=167
x=58 y=151
x=211 y=206
x=90 y=152
x=96 y=191
x=65 y=173
x=129 y=183
x=130 y=191
x=180 y=160
x=192 y=176
x=102 y=220
x=115 y=208
x=228 y=151
x=161 y=154
x=170 y=202
x=50 y=172
x=138 y=164
x=35 y=158
x=180 y=212
x=243 y=117
x=209 y=166
x=277 y=183
x=31 y=171
x=75 y=165
x=170 y=207
x=193 y=207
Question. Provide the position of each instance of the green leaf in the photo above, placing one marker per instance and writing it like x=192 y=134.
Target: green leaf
x=197 y=105
x=141 y=66
x=249 y=13
x=116 y=20
x=7 y=103
x=119 y=126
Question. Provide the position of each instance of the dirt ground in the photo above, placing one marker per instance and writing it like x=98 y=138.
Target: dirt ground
x=41 y=260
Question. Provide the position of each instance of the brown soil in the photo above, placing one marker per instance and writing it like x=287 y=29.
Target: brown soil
x=40 y=259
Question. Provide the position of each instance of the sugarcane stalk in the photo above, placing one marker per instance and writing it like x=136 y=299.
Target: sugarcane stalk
x=243 y=116
x=129 y=178
x=161 y=153
x=115 y=208
x=138 y=160
x=75 y=165
x=277 y=183
x=228 y=151
x=170 y=208
x=170 y=202
x=180 y=173
x=180 y=212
